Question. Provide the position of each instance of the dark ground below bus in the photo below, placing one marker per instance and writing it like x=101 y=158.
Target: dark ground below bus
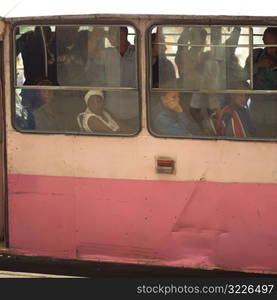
x=91 y=269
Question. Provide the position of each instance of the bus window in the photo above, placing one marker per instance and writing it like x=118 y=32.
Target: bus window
x=203 y=80
x=85 y=78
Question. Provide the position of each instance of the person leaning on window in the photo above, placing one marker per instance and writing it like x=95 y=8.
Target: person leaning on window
x=169 y=118
x=234 y=119
x=46 y=116
x=96 y=119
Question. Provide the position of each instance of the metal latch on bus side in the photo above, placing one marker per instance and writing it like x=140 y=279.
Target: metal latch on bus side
x=165 y=165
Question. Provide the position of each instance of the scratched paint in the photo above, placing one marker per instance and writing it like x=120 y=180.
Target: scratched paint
x=187 y=224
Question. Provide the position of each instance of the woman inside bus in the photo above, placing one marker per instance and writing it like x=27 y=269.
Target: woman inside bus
x=55 y=114
x=169 y=117
x=96 y=119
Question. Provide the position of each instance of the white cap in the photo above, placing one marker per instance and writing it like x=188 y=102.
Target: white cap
x=92 y=93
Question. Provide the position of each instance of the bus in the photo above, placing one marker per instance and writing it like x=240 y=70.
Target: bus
x=140 y=134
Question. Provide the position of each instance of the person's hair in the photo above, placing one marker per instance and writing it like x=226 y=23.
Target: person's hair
x=200 y=32
x=154 y=35
x=172 y=84
x=237 y=85
x=44 y=82
x=123 y=29
x=270 y=30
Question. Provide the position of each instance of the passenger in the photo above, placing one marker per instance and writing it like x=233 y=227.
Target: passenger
x=96 y=119
x=30 y=101
x=119 y=69
x=119 y=61
x=169 y=118
x=95 y=68
x=162 y=68
x=264 y=107
x=265 y=62
x=214 y=76
x=34 y=46
x=234 y=119
x=71 y=55
x=51 y=116
x=190 y=58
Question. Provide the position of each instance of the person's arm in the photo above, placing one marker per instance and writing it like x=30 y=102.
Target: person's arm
x=97 y=126
x=227 y=129
x=232 y=40
x=169 y=126
x=182 y=50
x=95 y=42
x=256 y=62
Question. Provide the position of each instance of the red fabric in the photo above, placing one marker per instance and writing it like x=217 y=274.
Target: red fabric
x=237 y=127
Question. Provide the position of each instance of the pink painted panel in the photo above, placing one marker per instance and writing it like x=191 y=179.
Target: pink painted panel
x=190 y=224
x=42 y=215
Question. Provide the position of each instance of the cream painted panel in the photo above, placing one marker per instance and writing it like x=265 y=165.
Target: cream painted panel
x=134 y=158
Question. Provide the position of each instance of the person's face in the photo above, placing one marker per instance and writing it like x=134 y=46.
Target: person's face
x=114 y=37
x=46 y=95
x=117 y=37
x=170 y=99
x=158 y=49
x=271 y=39
x=239 y=99
x=96 y=104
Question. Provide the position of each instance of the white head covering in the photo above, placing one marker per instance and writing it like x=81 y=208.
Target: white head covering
x=92 y=93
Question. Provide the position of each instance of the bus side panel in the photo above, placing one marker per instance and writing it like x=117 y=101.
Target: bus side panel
x=189 y=224
x=42 y=216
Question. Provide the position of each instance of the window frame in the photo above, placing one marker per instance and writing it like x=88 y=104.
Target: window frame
x=73 y=22
x=206 y=22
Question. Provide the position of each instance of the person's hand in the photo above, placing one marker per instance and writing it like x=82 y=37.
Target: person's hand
x=175 y=107
x=66 y=59
x=97 y=34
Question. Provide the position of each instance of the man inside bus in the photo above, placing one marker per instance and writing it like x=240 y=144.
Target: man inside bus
x=264 y=107
x=118 y=64
x=35 y=46
x=214 y=76
x=162 y=68
x=71 y=55
x=56 y=112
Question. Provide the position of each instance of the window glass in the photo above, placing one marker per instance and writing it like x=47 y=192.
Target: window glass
x=85 y=78
x=199 y=57
x=205 y=78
